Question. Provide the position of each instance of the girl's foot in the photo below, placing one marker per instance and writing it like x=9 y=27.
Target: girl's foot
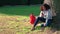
x=33 y=29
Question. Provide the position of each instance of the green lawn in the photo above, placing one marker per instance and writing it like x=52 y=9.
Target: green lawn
x=20 y=10
x=15 y=20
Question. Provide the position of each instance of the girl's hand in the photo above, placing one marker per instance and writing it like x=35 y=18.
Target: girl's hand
x=42 y=15
x=44 y=24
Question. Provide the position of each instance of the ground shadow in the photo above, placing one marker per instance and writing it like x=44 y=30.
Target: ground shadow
x=55 y=26
x=20 y=10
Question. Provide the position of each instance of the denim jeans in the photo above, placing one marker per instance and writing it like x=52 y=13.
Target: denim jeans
x=43 y=20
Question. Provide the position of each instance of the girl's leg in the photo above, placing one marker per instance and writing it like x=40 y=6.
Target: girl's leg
x=46 y=24
x=37 y=20
x=49 y=22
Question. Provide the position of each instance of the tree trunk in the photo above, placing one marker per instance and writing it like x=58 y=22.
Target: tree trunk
x=28 y=2
x=55 y=6
x=50 y=2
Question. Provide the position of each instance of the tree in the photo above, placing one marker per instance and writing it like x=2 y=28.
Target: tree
x=57 y=9
x=28 y=2
x=55 y=6
x=50 y=2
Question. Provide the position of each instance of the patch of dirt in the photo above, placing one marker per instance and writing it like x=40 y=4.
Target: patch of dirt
x=4 y=26
x=7 y=31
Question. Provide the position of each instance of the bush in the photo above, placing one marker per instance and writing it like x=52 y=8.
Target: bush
x=20 y=2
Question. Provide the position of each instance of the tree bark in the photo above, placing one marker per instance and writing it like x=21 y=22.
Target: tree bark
x=28 y=2
x=55 y=6
x=50 y=2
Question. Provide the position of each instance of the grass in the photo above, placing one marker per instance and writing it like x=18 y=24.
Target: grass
x=20 y=10
x=15 y=20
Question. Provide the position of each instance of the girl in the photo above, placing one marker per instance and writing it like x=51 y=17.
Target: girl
x=45 y=16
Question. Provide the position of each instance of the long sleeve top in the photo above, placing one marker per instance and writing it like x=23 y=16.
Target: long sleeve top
x=47 y=14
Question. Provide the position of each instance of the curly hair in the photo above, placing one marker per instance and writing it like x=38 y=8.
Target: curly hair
x=46 y=6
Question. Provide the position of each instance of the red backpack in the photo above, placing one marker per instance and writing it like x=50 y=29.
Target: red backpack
x=32 y=19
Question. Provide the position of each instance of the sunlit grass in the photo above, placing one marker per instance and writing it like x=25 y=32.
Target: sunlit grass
x=15 y=19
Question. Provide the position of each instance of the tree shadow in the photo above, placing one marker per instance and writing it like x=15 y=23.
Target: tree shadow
x=20 y=10
x=53 y=28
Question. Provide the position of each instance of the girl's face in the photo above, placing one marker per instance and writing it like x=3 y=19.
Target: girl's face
x=43 y=8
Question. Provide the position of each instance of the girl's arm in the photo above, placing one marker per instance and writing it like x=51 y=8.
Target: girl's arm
x=41 y=14
x=47 y=17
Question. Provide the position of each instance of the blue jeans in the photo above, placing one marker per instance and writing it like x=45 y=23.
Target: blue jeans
x=43 y=20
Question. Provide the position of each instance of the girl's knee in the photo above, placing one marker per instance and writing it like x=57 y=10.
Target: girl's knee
x=39 y=18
